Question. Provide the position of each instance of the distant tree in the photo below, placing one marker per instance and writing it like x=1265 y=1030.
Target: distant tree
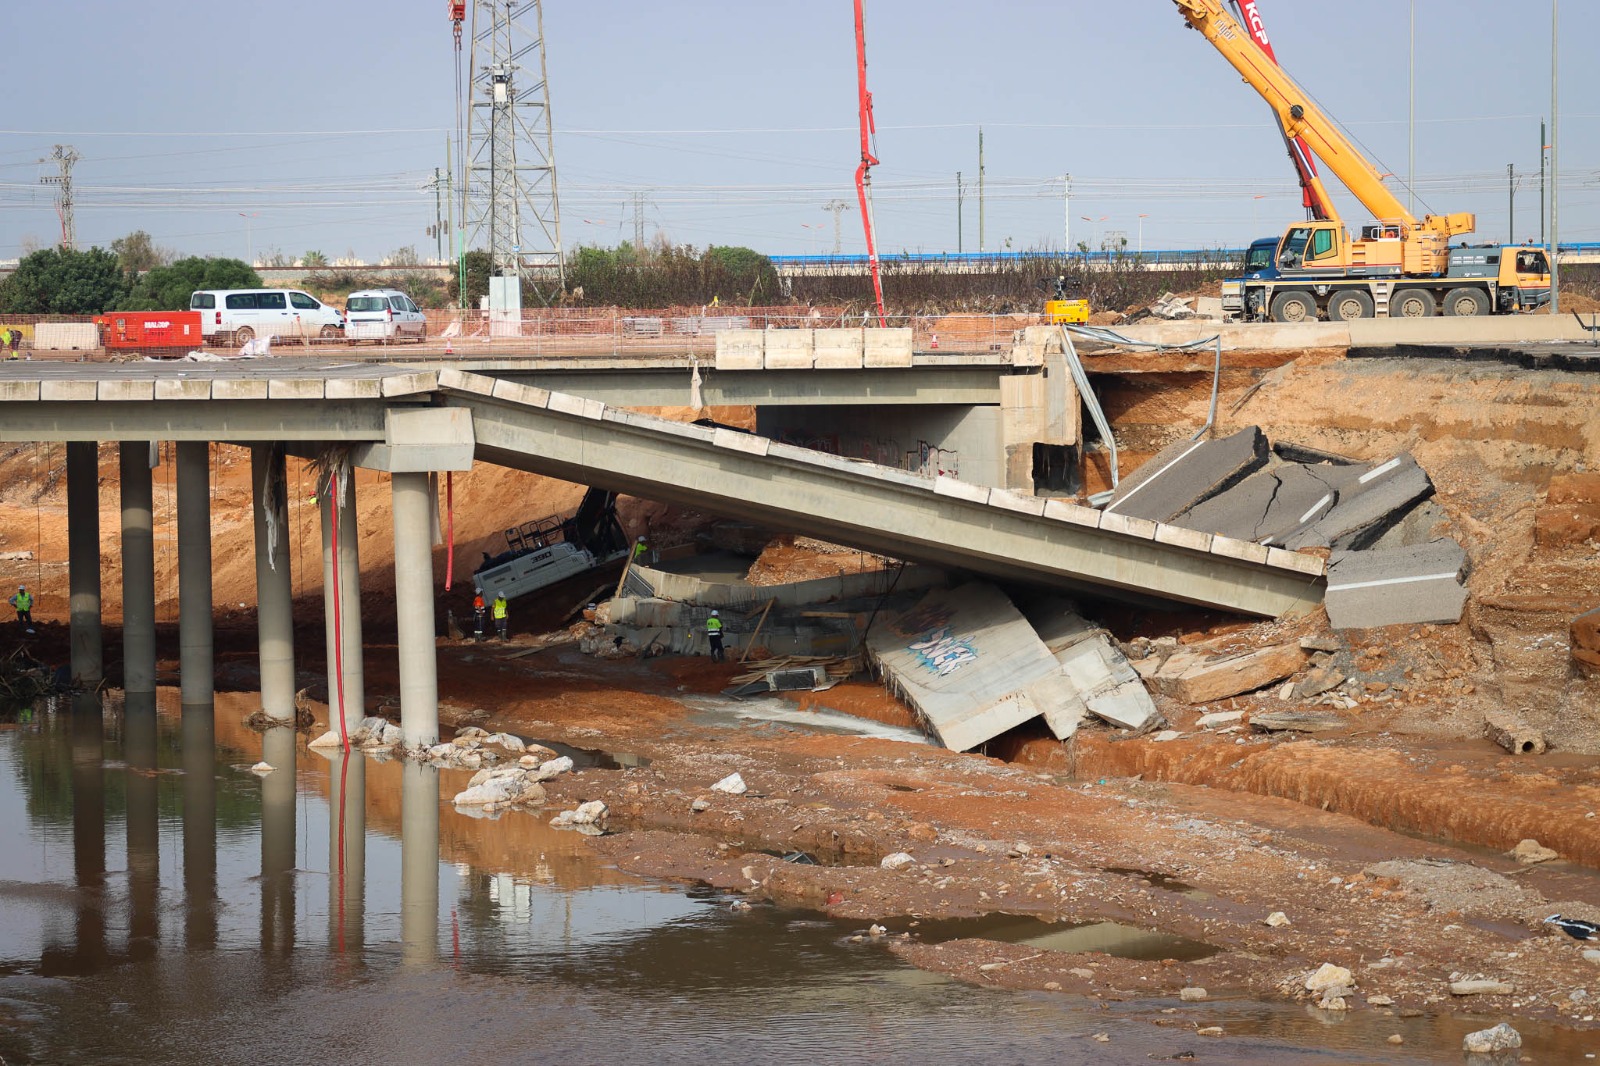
x=29 y=244
x=138 y=252
x=404 y=257
x=477 y=265
x=274 y=257
x=61 y=281
x=740 y=273
x=167 y=288
x=314 y=260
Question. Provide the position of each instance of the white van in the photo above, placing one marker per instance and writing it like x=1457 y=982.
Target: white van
x=238 y=316
x=381 y=315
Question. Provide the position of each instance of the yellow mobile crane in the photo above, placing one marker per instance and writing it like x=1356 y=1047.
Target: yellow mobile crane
x=1399 y=266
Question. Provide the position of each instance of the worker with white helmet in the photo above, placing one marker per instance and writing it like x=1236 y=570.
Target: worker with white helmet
x=714 y=635
x=23 y=602
x=641 y=549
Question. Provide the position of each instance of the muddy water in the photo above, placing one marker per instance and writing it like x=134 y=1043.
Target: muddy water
x=160 y=903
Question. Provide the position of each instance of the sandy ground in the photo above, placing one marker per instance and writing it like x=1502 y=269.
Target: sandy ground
x=1201 y=837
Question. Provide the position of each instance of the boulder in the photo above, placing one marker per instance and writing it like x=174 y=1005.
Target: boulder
x=733 y=784
x=1199 y=678
x=330 y=739
x=553 y=768
x=898 y=861
x=1488 y=1041
x=1329 y=976
x=1530 y=852
x=494 y=790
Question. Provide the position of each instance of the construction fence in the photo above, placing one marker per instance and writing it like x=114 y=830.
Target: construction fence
x=560 y=331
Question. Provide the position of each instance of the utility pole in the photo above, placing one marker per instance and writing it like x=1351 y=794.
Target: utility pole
x=1411 y=181
x=1555 y=165
x=980 y=190
x=638 y=221
x=65 y=155
x=1544 y=146
x=959 y=192
x=838 y=207
x=438 y=184
x=1066 y=214
x=511 y=168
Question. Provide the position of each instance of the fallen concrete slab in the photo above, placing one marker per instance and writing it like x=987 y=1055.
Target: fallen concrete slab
x=1187 y=472
x=1270 y=502
x=969 y=664
x=1363 y=508
x=1105 y=683
x=1396 y=586
x=1196 y=677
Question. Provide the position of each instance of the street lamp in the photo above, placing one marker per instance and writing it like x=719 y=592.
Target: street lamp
x=249 y=241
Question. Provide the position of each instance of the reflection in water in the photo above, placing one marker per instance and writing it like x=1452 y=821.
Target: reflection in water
x=558 y=957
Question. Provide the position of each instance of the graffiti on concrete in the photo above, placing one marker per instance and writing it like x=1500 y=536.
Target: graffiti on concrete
x=934 y=647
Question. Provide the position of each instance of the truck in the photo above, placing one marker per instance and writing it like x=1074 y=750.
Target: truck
x=1259 y=265
x=1398 y=265
x=548 y=550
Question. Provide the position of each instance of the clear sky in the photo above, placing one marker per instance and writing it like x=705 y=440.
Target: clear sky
x=303 y=125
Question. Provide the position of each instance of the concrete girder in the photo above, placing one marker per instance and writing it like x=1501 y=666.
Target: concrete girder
x=943 y=523
x=186 y=420
x=772 y=388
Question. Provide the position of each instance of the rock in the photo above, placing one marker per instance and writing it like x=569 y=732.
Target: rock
x=898 y=861
x=443 y=751
x=1052 y=986
x=1198 y=678
x=1164 y=736
x=1333 y=999
x=1396 y=1038
x=1277 y=919
x=1480 y=988
x=592 y=813
x=1210 y=1030
x=1191 y=995
x=1295 y=722
x=1329 y=976
x=494 y=790
x=1380 y=1001
x=700 y=804
x=1318 y=681
x=531 y=762
x=1530 y=851
x=1218 y=718
x=553 y=768
x=330 y=739
x=532 y=792
x=262 y=769
x=1592 y=955
x=733 y=784
x=1328 y=644
x=876 y=931
x=1584 y=640
x=506 y=741
x=390 y=736
x=1487 y=1041
x=1103 y=1038
x=1079 y=971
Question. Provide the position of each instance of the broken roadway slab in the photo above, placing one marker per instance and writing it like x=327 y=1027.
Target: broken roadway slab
x=1197 y=677
x=1272 y=501
x=1105 y=683
x=1187 y=472
x=1396 y=586
x=1368 y=505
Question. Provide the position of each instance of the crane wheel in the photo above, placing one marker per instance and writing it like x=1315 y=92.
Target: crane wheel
x=1466 y=303
x=1348 y=306
x=1412 y=303
x=1294 y=307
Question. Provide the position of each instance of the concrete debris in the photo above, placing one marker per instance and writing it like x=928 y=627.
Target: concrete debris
x=898 y=861
x=1219 y=718
x=1191 y=995
x=1295 y=722
x=1187 y=473
x=1104 y=682
x=262 y=769
x=1488 y=1041
x=1172 y=307
x=733 y=784
x=1513 y=734
x=1196 y=677
x=1270 y=502
x=1481 y=988
x=1396 y=586
x=591 y=815
x=1318 y=681
x=1327 y=644
x=1277 y=919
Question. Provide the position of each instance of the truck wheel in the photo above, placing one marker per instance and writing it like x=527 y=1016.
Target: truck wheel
x=1411 y=303
x=1466 y=303
x=1347 y=306
x=243 y=335
x=1294 y=307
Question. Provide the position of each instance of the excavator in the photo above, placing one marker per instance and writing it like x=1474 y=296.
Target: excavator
x=1398 y=265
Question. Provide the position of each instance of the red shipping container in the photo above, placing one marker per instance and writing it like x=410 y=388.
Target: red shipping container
x=151 y=329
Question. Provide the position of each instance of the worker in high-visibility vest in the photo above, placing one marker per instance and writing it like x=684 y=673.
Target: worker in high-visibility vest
x=502 y=610
x=23 y=602
x=641 y=552
x=714 y=635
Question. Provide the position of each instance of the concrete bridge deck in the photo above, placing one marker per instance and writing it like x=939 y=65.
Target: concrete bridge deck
x=417 y=420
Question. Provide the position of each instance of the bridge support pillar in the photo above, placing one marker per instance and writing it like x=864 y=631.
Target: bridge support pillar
x=195 y=671
x=414 y=612
x=343 y=632
x=83 y=562
x=138 y=570
x=274 y=597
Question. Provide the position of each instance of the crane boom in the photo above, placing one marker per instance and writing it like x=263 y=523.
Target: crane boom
x=1301 y=118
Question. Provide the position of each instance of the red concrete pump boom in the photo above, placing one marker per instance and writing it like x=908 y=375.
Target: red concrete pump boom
x=868 y=160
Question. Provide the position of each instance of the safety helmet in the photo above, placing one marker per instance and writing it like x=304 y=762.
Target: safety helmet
x=477 y=590
x=713 y=614
x=22 y=588
x=641 y=538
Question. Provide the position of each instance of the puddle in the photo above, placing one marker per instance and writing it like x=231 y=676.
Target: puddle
x=1108 y=938
x=593 y=758
x=1161 y=881
x=159 y=906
